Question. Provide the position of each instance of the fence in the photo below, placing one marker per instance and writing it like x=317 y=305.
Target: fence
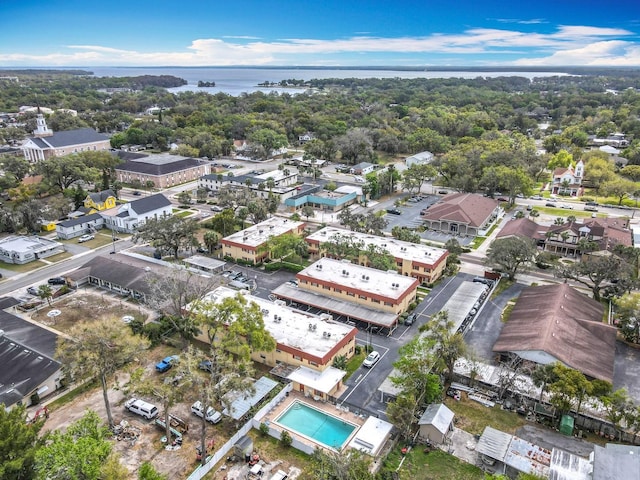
x=224 y=450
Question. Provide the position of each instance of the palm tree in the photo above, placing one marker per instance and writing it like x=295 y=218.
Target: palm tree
x=534 y=214
x=45 y=293
x=211 y=240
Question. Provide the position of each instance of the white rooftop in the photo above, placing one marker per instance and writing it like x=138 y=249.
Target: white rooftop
x=27 y=244
x=399 y=249
x=323 y=381
x=438 y=415
x=159 y=159
x=386 y=284
x=275 y=174
x=303 y=331
x=372 y=436
x=257 y=234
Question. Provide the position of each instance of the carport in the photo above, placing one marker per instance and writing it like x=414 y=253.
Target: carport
x=463 y=302
x=349 y=310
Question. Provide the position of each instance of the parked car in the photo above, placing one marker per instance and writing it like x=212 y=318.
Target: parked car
x=486 y=281
x=371 y=359
x=216 y=208
x=536 y=197
x=410 y=319
x=56 y=281
x=86 y=238
x=166 y=363
x=567 y=206
x=211 y=416
x=394 y=211
x=136 y=193
x=443 y=192
x=142 y=408
x=552 y=205
x=33 y=291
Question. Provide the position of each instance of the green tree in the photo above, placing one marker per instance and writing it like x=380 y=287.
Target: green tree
x=77 y=454
x=224 y=223
x=171 y=233
x=147 y=472
x=16 y=167
x=543 y=376
x=511 y=254
x=211 y=240
x=406 y=235
x=562 y=159
x=283 y=246
x=632 y=172
x=355 y=146
x=449 y=345
x=269 y=140
x=45 y=293
x=20 y=442
x=307 y=211
x=235 y=328
x=62 y=172
x=619 y=188
x=617 y=405
x=597 y=273
x=97 y=349
x=351 y=465
x=416 y=175
x=184 y=198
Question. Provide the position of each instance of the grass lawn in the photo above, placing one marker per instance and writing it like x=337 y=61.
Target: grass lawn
x=27 y=267
x=59 y=257
x=473 y=417
x=184 y=213
x=502 y=286
x=430 y=466
x=354 y=363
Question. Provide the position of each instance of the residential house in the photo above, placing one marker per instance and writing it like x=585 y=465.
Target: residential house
x=463 y=214
x=524 y=228
x=247 y=244
x=76 y=227
x=281 y=183
x=163 y=170
x=556 y=323
x=129 y=216
x=47 y=144
x=570 y=238
x=568 y=181
x=98 y=201
x=20 y=249
x=362 y=168
x=423 y=262
x=305 y=137
x=29 y=371
x=419 y=159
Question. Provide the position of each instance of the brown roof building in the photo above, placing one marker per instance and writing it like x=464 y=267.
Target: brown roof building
x=556 y=323
x=465 y=214
x=605 y=233
x=524 y=228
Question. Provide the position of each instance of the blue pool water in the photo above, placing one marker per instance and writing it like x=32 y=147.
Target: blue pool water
x=316 y=425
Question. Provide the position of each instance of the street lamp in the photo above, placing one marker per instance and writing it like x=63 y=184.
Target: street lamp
x=113 y=241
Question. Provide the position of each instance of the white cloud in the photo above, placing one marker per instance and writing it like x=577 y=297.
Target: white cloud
x=566 y=45
x=607 y=53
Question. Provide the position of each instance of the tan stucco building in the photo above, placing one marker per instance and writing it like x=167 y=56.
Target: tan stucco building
x=368 y=287
x=246 y=244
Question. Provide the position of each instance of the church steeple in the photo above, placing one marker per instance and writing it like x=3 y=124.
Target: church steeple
x=41 y=126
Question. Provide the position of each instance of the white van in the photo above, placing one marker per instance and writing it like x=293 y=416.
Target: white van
x=142 y=408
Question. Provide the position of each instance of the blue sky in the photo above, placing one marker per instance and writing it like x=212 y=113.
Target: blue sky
x=320 y=33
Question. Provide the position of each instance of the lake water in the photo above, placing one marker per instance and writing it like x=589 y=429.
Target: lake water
x=235 y=81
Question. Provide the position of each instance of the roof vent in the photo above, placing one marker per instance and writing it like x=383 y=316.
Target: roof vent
x=311 y=327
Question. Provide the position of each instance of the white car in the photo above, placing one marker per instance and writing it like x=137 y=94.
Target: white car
x=85 y=238
x=212 y=416
x=371 y=359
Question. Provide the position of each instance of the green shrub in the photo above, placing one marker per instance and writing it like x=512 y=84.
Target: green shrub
x=285 y=439
x=264 y=429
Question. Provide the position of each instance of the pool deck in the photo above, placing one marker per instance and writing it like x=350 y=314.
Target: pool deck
x=333 y=410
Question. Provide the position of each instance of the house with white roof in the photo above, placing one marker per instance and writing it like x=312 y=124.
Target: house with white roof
x=20 y=249
x=419 y=159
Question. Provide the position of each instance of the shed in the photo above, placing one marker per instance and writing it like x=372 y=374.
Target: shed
x=436 y=422
x=244 y=446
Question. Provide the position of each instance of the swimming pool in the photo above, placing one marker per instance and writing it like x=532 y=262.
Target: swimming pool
x=316 y=425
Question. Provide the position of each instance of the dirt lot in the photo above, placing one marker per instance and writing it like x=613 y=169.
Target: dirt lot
x=85 y=305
